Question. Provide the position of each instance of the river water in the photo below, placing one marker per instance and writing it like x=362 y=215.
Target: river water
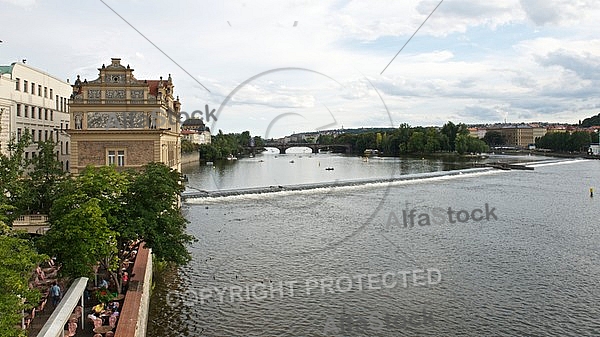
x=516 y=254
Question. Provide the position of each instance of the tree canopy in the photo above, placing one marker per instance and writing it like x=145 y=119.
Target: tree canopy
x=577 y=141
x=411 y=140
x=101 y=210
x=18 y=259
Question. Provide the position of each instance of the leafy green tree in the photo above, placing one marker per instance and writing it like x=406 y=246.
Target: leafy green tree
x=450 y=129
x=18 y=259
x=13 y=185
x=461 y=144
x=562 y=141
x=591 y=121
x=432 y=141
x=80 y=239
x=188 y=147
x=416 y=143
x=494 y=138
x=45 y=175
x=154 y=215
x=101 y=186
x=579 y=141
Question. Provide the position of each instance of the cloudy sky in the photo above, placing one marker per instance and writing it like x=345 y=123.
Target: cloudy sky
x=275 y=67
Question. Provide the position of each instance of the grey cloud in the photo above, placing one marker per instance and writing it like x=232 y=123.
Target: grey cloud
x=586 y=67
x=480 y=113
x=541 y=12
x=463 y=8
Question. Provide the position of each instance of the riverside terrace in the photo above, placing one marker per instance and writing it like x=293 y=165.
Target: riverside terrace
x=85 y=311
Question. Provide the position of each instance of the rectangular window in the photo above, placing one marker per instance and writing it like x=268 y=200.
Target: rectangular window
x=25 y=86
x=32 y=88
x=57 y=102
x=32 y=155
x=39 y=113
x=18 y=110
x=111 y=157
x=39 y=135
x=51 y=115
x=26 y=110
x=46 y=114
x=45 y=92
x=61 y=104
x=51 y=93
x=46 y=135
x=18 y=134
x=26 y=155
x=120 y=158
x=52 y=135
x=40 y=90
x=33 y=135
x=18 y=84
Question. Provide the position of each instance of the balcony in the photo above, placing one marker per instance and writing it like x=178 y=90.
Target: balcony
x=32 y=223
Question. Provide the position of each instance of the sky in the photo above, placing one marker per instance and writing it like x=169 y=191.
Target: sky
x=278 y=67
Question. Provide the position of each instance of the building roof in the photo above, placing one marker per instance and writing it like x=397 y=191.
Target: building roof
x=6 y=69
x=153 y=85
x=193 y=122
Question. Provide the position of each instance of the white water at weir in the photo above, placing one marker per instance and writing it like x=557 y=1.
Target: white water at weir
x=192 y=196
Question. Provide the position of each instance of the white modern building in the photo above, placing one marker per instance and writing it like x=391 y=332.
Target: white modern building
x=34 y=101
x=195 y=131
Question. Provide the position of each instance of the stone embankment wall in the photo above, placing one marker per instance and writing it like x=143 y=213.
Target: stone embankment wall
x=187 y=158
x=134 y=314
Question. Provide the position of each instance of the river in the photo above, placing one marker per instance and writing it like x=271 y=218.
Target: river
x=465 y=252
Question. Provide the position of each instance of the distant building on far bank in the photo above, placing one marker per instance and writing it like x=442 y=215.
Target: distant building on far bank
x=477 y=132
x=195 y=131
x=34 y=101
x=119 y=120
x=520 y=135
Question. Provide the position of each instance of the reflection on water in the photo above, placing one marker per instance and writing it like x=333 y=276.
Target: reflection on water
x=530 y=272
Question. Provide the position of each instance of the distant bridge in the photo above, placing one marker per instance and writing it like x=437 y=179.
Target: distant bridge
x=282 y=147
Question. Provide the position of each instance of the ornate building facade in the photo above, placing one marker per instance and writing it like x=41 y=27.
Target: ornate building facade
x=119 y=120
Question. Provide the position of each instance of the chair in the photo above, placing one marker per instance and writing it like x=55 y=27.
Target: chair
x=96 y=320
x=112 y=320
x=72 y=325
x=42 y=305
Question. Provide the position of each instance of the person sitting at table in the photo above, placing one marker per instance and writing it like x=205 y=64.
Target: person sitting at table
x=110 y=334
x=98 y=308
x=113 y=306
x=97 y=320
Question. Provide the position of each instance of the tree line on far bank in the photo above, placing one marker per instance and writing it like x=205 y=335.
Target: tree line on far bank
x=412 y=140
x=92 y=217
x=231 y=144
x=578 y=141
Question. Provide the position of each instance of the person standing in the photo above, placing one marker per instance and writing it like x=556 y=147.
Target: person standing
x=55 y=294
x=125 y=282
